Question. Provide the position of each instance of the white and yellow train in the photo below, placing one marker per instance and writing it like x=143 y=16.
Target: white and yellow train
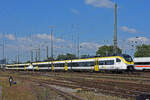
x=112 y=63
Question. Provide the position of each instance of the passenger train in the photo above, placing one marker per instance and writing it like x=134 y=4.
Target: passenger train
x=142 y=63
x=122 y=62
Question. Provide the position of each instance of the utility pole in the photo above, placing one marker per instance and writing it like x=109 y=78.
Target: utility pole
x=39 y=53
x=31 y=49
x=72 y=39
x=3 y=49
x=78 y=47
x=16 y=60
x=52 y=48
x=72 y=48
x=47 y=52
x=36 y=55
x=18 y=56
x=52 y=41
x=31 y=55
x=115 y=29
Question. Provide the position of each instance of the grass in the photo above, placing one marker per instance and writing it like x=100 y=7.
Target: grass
x=88 y=95
x=20 y=91
x=25 y=90
x=45 y=93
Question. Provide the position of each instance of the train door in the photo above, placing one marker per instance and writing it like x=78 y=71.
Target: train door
x=24 y=67
x=118 y=63
x=37 y=67
x=96 y=66
x=66 y=66
x=52 y=66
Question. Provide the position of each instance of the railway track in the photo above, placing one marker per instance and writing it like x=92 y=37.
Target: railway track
x=66 y=95
x=106 y=89
x=124 y=89
x=133 y=79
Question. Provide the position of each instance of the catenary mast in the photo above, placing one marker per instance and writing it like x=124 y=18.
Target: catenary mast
x=115 y=30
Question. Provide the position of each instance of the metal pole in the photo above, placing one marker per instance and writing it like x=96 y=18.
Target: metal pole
x=3 y=50
x=36 y=55
x=78 y=46
x=31 y=48
x=72 y=40
x=39 y=53
x=31 y=55
x=52 y=42
x=47 y=52
x=16 y=59
x=52 y=47
x=18 y=56
x=72 y=47
x=115 y=29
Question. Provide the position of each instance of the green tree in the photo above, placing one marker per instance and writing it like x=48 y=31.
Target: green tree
x=142 y=51
x=70 y=56
x=107 y=50
x=61 y=57
x=85 y=56
x=66 y=57
x=49 y=59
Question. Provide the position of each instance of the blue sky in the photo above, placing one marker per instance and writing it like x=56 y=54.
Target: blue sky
x=92 y=19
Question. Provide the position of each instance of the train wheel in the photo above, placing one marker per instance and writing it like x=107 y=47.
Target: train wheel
x=130 y=69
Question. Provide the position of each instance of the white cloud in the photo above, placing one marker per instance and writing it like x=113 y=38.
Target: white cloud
x=60 y=40
x=100 y=3
x=43 y=36
x=129 y=30
x=139 y=39
x=10 y=36
x=22 y=39
x=89 y=45
x=75 y=11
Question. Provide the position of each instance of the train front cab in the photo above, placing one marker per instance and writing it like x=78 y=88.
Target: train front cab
x=128 y=62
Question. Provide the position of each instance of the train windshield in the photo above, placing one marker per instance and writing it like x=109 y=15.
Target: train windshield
x=127 y=58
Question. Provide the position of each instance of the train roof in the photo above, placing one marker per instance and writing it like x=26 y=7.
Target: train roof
x=115 y=56
x=141 y=59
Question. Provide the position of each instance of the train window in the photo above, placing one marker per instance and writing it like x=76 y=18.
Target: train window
x=20 y=66
x=109 y=62
x=10 y=66
x=101 y=62
x=127 y=58
x=74 y=64
x=91 y=63
x=86 y=64
x=62 y=64
x=82 y=64
x=59 y=65
x=69 y=64
x=43 y=65
x=118 y=60
x=142 y=63
x=55 y=65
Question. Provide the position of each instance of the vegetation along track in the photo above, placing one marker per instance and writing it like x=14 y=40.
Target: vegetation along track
x=136 y=77
x=110 y=86
x=68 y=96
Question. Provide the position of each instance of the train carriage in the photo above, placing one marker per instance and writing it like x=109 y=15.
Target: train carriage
x=111 y=63
x=142 y=63
x=17 y=66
